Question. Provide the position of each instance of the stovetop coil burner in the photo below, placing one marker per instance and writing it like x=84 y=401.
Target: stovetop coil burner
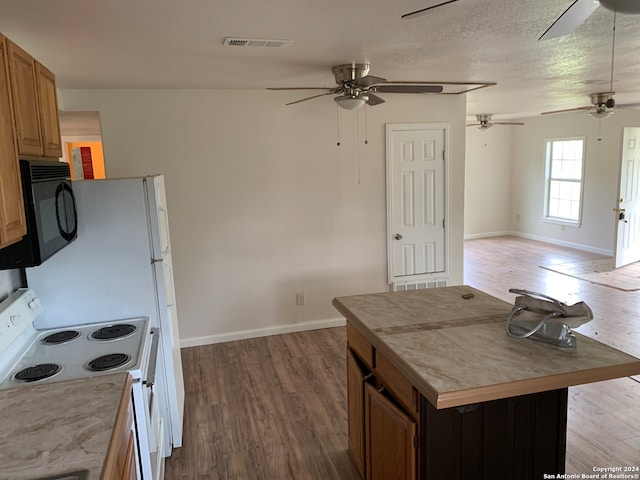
x=114 y=331
x=37 y=372
x=61 y=337
x=108 y=362
x=33 y=357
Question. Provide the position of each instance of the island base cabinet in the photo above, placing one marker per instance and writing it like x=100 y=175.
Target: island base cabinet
x=518 y=438
x=356 y=378
x=390 y=439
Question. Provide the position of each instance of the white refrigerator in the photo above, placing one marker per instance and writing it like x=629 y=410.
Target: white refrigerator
x=119 y=267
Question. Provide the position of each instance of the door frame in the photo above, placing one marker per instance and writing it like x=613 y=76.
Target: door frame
x=390 y=129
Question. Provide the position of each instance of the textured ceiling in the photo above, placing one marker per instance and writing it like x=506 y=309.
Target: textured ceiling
x=170 y=44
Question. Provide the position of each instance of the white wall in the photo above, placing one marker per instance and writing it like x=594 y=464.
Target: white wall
x=262 y=202
x=521 y=152
x=487 y=206
x=601 y=177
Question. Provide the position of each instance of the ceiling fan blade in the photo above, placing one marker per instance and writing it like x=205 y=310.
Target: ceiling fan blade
x=571 y=18
x=422 y=11
x=408 y=87
x=373 y=100
x=590 y=107
x=508 y=123
x=473 y=124
x=302 y=88
x=309 y=98
x=369 y=80
x=628 y=105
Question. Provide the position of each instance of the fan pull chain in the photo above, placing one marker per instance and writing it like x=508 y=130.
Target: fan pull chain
x=337 y=125
x=599 y=129
x=366 y=129
x=358 y=136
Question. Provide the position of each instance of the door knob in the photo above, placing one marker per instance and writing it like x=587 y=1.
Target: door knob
x=397 y=236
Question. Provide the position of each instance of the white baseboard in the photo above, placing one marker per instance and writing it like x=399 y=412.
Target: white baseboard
x=262 y=332
x=539 y=238
x=471 y=236
x=577 y=246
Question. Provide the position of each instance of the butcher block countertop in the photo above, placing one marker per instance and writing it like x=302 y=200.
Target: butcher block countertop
x=455 y=351
x=59 y=427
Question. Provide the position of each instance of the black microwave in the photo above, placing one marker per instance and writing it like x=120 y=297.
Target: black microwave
x=51 y=214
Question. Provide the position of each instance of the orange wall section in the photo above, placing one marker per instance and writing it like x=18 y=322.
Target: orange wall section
x=97 y=157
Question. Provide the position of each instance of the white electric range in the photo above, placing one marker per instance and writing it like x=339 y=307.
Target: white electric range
x=31 y=357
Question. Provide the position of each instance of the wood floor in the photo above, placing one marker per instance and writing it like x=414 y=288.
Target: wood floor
x=275 y=407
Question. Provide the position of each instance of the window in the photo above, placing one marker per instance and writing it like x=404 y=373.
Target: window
x=564 y=179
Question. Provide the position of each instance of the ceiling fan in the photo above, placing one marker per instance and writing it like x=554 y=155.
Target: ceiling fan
x=602 y=105
x=580 y=10
x=355 y=87
x=485 y=123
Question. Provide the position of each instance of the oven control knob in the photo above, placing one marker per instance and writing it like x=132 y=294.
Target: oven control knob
x=15 y=319
x=34 y=304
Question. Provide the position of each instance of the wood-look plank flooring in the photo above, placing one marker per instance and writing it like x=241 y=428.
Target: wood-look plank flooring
x=266 y=408
x=275 y=407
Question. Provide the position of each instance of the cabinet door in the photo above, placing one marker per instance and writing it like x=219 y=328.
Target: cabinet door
x=355 y=404
x=129 y=470
x=390 y=433
x=117 y=462
x=25 y=101
x=49 y=121
x=12 y=219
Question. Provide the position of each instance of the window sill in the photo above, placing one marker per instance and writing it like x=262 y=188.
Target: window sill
x=564 y=223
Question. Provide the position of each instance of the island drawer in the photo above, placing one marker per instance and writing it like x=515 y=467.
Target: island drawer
x=360 y=346
x=402 y=390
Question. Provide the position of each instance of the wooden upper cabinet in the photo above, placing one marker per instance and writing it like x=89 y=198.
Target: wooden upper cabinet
x=22 y=68
x=35 y=105
x=12 y=217
x=49 y=120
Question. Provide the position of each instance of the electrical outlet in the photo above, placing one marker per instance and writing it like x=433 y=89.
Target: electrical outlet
x=300 y=298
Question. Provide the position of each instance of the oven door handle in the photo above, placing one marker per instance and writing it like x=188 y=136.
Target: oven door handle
x=151 y=370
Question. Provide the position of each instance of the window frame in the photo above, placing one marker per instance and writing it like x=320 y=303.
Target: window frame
x=548 y=148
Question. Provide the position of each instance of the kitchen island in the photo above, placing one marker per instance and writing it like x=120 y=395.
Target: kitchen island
x=60 y=428
x=437 y=390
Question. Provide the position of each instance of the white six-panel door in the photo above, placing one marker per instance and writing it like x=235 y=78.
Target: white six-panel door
x=416 y=200
x=628 y=227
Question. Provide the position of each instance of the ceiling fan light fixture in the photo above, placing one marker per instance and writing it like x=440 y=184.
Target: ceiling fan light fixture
x=349 y=102
x=485 y=126
x=601 y=114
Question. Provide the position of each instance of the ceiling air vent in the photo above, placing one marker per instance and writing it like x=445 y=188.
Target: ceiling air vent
x=255 y=42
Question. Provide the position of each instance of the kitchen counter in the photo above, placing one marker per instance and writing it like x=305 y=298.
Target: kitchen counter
x=455 y=351
x=59 y=427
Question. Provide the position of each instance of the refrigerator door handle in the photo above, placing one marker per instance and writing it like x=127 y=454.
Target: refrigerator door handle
x=150 y=380
x=168 y=285
x=163 y=226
